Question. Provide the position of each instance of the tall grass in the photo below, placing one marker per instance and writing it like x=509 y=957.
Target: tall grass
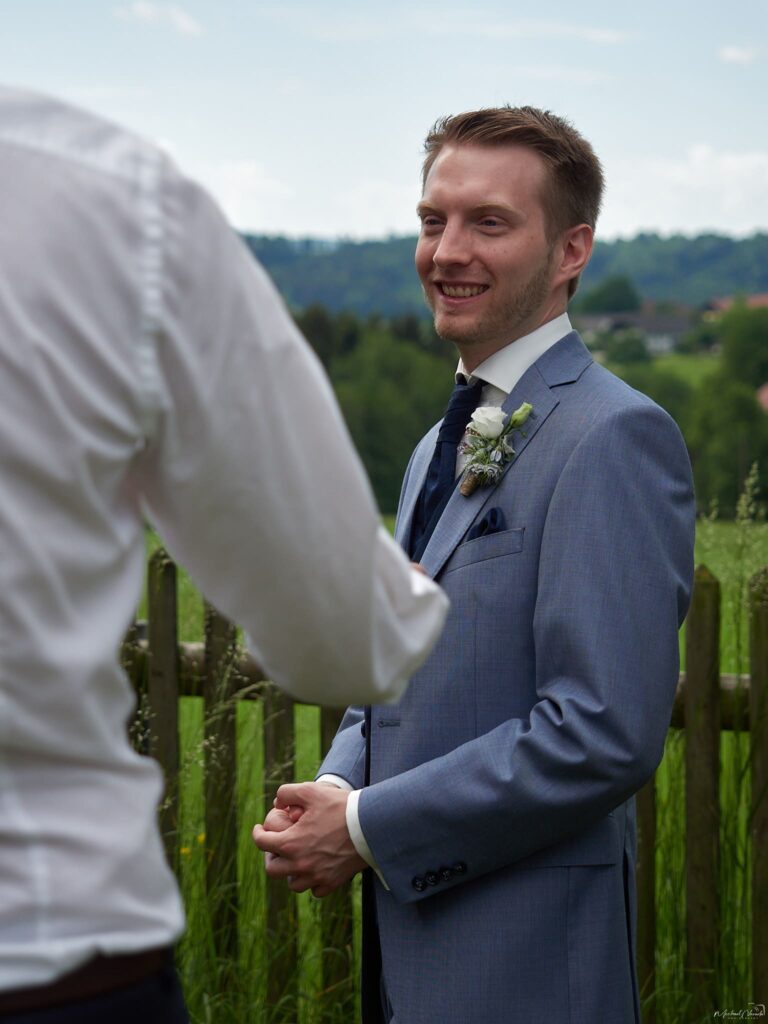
x=221 y=992
x=733 y=551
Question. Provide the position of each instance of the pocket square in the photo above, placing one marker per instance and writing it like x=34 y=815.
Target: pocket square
x=492 y=522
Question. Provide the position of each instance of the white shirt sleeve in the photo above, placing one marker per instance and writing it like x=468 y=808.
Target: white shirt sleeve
x=253 y=482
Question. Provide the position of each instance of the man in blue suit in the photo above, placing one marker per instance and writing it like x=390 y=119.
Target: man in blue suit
x=495 y=801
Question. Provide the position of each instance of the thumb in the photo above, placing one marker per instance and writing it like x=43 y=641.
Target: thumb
x=294 y=793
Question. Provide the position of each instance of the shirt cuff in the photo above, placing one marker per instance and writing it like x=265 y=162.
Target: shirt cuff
x=357 y=837
x=334 y=780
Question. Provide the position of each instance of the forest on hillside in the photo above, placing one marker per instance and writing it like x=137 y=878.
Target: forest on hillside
x=393 y=377
x=378 y=276
x=360 y=306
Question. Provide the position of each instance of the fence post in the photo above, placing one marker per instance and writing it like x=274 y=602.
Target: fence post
x=646 y=897
x=163 y=691
x=702 y=808
x=758 y=719
x=134 y=666
x=220 y=746
x=336 y=914
x=282 y=924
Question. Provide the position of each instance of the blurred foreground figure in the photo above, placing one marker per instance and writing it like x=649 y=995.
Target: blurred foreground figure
x=148 y=368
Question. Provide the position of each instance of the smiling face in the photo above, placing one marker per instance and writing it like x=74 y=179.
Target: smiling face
x=489 y=270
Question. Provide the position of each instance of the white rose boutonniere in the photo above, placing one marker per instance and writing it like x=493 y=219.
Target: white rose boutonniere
x=488 y=421
x=488 y=445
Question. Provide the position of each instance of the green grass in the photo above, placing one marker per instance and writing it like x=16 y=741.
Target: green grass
x=732 y=551
x=693 y=369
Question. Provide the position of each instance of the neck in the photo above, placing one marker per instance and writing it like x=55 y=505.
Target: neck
x=473 y=354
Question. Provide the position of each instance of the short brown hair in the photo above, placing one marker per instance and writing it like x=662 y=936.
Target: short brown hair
x=576 y=179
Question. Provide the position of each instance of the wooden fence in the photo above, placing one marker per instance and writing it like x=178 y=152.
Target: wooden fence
x=707 y=702
x=162 y=670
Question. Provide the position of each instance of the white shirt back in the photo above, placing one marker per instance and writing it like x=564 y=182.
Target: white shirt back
x=143 y=360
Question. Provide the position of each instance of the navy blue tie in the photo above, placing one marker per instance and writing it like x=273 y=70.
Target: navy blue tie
x=441 y=475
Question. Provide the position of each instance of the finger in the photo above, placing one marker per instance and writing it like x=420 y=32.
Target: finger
x=269 y=842
x=281 y=867
x=294 y=811
x=299 y=883
x=277 y=821
x=293 y=793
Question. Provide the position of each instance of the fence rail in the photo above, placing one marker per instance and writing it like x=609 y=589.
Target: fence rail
x=162 y=670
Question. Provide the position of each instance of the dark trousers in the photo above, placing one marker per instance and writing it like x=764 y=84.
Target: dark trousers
x=156 y=999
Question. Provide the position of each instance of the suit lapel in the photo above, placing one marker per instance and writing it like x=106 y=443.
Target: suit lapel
x=562 y=364
x=418 y=472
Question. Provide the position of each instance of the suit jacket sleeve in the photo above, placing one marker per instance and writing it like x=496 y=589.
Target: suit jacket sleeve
x=614 y=582
x=346 y=757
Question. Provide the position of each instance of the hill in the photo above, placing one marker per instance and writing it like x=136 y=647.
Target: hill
x=378 y=276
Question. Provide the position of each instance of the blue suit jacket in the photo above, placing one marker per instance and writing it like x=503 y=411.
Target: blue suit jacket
x=500 y=808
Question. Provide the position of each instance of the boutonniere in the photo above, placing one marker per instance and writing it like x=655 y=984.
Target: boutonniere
x=488 y=445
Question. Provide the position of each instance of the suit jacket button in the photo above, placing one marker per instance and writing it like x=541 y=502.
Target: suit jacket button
x=431 y=878
x=445 y=874
x=419 y=884
x=459 y=868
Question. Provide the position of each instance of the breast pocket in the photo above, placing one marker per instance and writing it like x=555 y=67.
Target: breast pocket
x=494 y=545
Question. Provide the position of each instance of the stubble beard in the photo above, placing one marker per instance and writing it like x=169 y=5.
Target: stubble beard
x=519 y=308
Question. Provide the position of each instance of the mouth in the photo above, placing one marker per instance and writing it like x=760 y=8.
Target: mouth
x=460 y=291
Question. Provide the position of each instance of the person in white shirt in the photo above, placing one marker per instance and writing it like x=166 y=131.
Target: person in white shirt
x=150 y=371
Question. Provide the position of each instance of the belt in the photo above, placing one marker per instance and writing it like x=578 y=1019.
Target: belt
x=101 y=974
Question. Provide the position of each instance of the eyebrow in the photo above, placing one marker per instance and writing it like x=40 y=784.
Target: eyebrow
x=496 y=208
x=483 y=208
x=423 y=208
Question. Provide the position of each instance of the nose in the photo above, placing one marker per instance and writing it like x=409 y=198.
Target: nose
x=453 y=248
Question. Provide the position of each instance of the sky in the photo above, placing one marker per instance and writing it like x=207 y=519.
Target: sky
x=307 y=117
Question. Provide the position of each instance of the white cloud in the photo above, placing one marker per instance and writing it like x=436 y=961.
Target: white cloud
x=168 y=15
x=255 y=200
x=531 y=28
x=108 y=94
x=374 y=207
x=703 y=190
x=366 y=25
x=738 y=54
x=251 y=198
x=575 y=76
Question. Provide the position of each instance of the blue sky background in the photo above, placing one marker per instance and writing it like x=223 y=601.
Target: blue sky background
x=307 y=118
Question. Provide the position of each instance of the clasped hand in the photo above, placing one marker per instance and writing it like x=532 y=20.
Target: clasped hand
x=306 y=840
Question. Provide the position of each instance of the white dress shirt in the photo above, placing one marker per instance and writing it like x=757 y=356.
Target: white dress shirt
x=149 y=367
x=501 y=372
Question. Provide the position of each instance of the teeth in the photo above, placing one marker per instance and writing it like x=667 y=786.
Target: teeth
x=462 y=291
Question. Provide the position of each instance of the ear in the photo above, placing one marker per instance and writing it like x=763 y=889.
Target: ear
x=573 y=251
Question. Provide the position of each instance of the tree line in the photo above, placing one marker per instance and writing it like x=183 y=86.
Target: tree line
x=378 y=276
x=721 y=416
x=393 y=377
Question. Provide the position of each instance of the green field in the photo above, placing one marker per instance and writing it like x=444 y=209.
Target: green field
x=693 y=369
x=732 y=551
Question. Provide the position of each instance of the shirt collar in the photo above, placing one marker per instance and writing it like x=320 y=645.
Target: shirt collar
x=505 y=368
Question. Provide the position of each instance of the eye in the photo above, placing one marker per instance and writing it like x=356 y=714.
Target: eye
x=430 y=221
x=490 y=222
